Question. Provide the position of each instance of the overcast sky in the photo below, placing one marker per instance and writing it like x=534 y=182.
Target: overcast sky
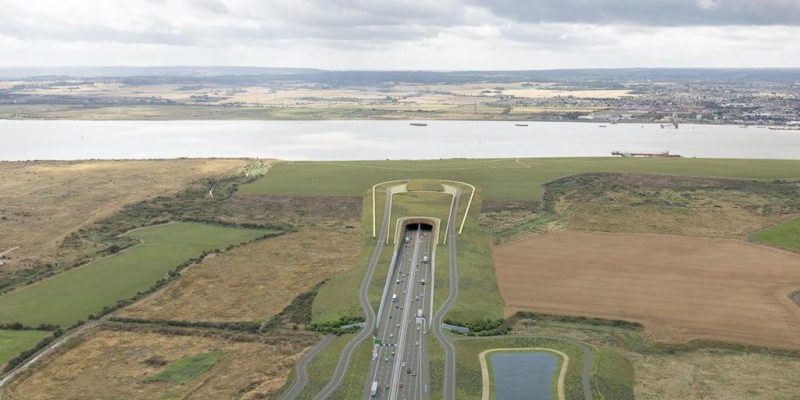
x=402 y=34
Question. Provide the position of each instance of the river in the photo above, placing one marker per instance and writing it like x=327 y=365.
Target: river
x=360 y=140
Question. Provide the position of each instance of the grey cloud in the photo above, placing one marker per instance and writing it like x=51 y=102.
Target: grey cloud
x=212 y=6
x=649 y=12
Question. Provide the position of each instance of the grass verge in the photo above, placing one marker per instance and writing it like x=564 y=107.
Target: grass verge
x=321 y=368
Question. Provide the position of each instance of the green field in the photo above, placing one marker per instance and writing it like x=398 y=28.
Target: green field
x=785 y=235
x=14 y=342
x=511 y=179
x=353 y=383
x=75 y=294
x=187 y=369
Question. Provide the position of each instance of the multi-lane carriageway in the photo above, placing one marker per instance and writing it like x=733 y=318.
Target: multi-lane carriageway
x=399 y=366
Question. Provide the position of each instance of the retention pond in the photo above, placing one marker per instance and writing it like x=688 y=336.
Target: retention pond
x=528 y=375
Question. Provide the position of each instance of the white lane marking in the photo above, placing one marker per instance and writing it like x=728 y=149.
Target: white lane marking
x=401 y=342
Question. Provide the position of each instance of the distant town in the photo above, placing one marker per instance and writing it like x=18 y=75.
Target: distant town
x=762 y=97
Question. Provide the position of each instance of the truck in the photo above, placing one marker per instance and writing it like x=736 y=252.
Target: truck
x=373 y=390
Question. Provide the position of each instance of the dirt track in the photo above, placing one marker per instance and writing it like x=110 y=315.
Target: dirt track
x=680 y=288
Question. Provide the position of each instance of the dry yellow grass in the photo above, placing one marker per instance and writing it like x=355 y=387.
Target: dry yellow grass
x=44 y=201
x=255 y=281
x=713 y=374
x=114 y=365
x=679 y=288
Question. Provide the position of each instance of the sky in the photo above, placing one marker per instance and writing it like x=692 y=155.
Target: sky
x=401 y=34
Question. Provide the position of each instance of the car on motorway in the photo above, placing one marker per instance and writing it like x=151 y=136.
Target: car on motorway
x=403 y=364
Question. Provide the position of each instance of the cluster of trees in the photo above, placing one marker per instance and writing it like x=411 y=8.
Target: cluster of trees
x=482 y=327
x=337 y=327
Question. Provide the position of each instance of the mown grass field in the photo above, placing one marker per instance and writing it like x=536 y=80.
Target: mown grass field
x=785 y=235
x=509 y=179
x=75 y=294
x=14 y=342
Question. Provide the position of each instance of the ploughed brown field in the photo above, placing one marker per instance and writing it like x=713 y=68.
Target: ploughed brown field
x=679 y=288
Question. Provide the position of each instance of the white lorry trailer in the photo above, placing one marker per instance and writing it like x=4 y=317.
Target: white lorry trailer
x=373 y=390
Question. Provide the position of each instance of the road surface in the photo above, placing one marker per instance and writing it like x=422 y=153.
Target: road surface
x=400 y=355
x=369 y=325
x=301 y=375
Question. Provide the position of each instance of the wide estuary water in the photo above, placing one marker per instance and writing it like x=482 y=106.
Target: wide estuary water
x=360 y=140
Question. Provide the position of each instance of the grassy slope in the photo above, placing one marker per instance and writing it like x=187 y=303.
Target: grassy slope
x=477 y=281
x=14 y=342
x=785 y=235
x=321 y=368
x=73 y=295
x=499 y=178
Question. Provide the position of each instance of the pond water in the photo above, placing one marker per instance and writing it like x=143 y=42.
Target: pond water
x=363 y=140
x=523 y=375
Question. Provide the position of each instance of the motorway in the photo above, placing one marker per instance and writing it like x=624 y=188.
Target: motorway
x=420 y=384
x=363 y=296
x=400 y=354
